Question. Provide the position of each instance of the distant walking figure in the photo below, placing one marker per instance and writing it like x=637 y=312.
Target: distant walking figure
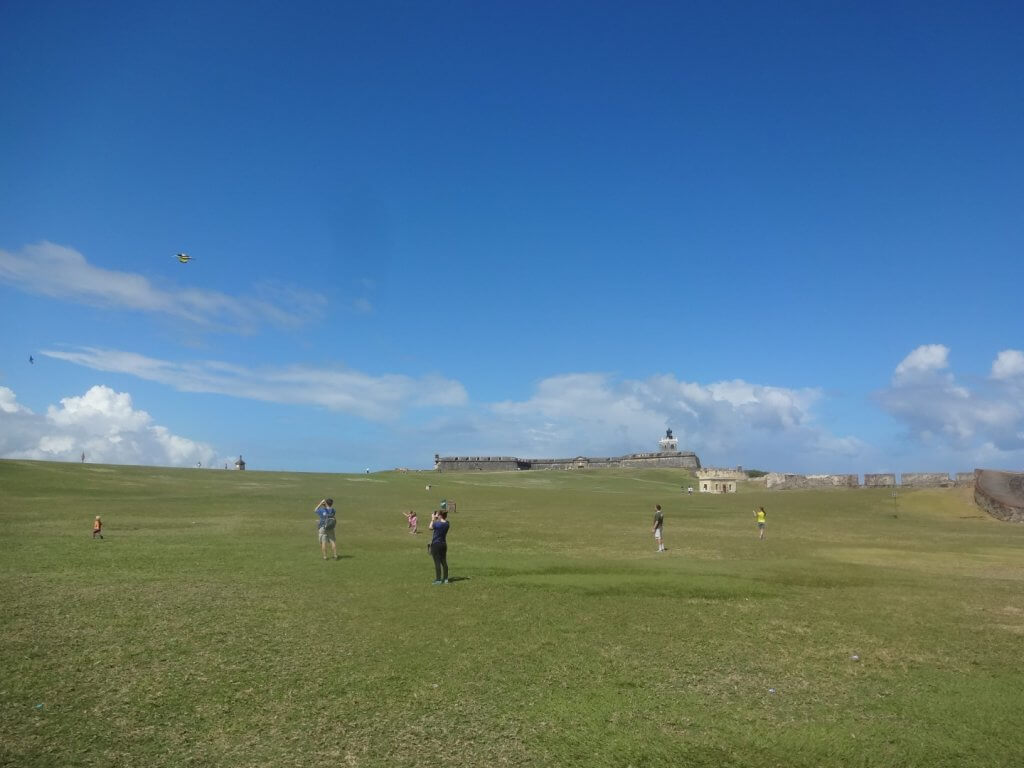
x=760 y=515
x=659 y=527
x=97 y=527
x=327 y=521
x=439 y=545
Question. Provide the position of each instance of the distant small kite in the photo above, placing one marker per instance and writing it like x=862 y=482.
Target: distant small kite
x=184 y=258
x=31 y=361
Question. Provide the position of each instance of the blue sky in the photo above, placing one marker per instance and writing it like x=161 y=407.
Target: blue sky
x=790 y=232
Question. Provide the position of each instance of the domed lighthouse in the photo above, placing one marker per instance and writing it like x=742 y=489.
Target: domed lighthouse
x=668 y=444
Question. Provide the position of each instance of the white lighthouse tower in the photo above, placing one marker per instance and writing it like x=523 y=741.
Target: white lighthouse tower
x=668 y=444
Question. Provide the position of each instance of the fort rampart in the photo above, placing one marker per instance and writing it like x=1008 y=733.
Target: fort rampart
x=687 y=460
x=671 y=459
x=782 y=481
x=1001 y=494
x=880 y=481
x=926 y=480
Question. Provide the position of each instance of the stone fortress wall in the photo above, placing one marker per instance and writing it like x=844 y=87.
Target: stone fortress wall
x=785 y=481
x=781 y=481
x=1001 y=494
x=671 y=459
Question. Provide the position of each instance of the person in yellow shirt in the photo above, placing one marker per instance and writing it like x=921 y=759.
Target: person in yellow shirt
x=759 y=516
x=97 y=527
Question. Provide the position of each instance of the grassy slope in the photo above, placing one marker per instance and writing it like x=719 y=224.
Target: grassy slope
x=205 y=630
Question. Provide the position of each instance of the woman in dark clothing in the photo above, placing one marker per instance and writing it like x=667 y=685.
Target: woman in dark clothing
x=439 y=545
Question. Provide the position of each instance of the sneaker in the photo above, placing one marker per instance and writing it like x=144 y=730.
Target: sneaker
x=445 y=581
x=437 y=581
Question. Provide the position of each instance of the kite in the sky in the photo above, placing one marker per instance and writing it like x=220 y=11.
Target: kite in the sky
x=31 y=361
x=184 y=258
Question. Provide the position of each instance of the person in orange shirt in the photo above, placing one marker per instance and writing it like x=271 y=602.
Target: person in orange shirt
x=97 y=527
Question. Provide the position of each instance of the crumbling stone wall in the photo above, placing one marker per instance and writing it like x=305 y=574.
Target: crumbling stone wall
x=785 y=482
x=833 y=481
x=964 y=479
x=1001 y=494
x=880 y=480
x=925 y=480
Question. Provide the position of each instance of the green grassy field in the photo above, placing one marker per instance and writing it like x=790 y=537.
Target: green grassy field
x=205 y=630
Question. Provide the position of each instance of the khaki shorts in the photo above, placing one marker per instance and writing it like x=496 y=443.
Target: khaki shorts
x=325 y=536
x=657 y=534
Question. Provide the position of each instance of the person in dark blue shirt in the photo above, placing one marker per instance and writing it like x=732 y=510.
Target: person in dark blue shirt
x=439 y=545
x=326 y=523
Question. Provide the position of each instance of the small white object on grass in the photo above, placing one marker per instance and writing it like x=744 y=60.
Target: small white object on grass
x=771 y=690
x=855 y=657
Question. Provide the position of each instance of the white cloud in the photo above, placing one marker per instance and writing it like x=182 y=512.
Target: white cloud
x=1009 y=364
x=377 y=398
x=53 y=270
x=104 y=425
x=724 y=422
x=9 y=402
x=923 y=361
x=984 y=421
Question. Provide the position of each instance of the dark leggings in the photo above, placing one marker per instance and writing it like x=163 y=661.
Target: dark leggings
x=439 y=552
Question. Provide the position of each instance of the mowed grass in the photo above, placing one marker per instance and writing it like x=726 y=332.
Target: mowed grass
x=205 y=630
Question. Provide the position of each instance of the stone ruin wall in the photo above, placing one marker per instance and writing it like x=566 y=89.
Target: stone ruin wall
x=783 y=481
x=880 y=481
x=925 y=480
x=964 y=479
x=1001 y=494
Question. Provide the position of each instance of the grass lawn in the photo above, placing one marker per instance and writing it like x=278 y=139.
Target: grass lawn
x=205 y=630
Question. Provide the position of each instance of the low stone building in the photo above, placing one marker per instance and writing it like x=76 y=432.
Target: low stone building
x=721 y=474
x=715 y=484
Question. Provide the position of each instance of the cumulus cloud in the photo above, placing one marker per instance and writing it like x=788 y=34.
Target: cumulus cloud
x=732 y=421
x=53 y=270
x=728 y=421
x=983 y=420
x=101 y=423
x=1009 y=364
x=9 y=402
x=377 y=398
x=923 y=361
